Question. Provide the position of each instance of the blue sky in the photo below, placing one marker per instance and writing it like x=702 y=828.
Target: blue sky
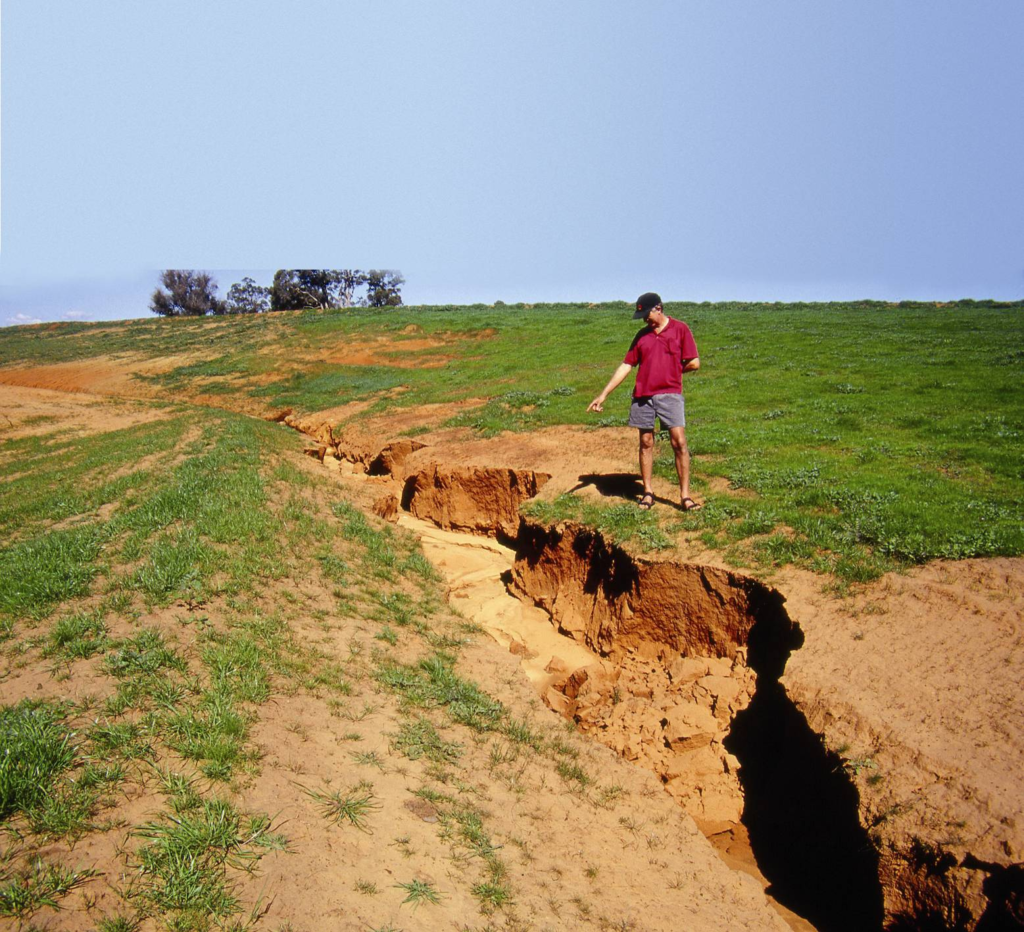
x=578 y=150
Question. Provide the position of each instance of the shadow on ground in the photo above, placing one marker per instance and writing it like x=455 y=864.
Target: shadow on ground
x=613 y=485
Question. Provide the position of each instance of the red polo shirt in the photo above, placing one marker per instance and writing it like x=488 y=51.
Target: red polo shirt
x=660 y=358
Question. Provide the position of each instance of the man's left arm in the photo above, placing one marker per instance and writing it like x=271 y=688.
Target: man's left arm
x=688 y=347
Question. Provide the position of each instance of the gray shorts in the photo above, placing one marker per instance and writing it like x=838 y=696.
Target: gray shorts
x=668 y=408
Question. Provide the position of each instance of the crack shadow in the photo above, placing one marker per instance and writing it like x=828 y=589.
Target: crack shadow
x=801 y=813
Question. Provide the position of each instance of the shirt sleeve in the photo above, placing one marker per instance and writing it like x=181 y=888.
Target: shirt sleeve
x=689 y=345
x=633 y=356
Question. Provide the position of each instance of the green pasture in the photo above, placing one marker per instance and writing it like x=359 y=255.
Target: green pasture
x=859 y=436
x=212 y=518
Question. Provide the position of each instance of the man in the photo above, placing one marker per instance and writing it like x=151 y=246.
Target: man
x=663 y=350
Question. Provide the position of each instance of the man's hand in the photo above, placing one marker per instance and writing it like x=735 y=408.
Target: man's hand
x=598 y=403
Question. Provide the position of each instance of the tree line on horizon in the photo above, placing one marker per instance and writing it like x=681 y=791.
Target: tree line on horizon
x=191 y=293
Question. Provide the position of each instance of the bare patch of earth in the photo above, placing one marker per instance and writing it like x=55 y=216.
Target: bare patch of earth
x=33 y=411
x=101 y=375
x=917 y=679
x=385 y=350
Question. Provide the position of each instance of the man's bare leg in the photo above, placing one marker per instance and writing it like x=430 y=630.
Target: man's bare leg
x=647 y=459
x=682 y=452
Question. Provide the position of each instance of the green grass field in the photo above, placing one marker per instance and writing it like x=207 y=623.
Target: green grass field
x=871 y=436
x=222 y=532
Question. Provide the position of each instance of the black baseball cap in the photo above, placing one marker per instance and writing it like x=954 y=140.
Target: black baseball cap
x=646 y=303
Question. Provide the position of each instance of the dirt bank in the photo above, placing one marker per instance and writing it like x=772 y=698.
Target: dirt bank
x=480 y=500
x=931 y=836
x=917 y=681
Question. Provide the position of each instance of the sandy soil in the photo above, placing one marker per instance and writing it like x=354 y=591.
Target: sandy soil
x=957 y=627
x=630 y=859
x=101 y=375
x=913 y=681
x=473 y=567
x=385 y=350
x=37 y=411
x=917 y=678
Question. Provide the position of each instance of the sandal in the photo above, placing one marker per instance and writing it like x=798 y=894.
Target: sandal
x=693 y=506
x=646 y=502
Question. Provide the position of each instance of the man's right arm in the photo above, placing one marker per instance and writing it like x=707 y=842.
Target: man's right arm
x=613 y=383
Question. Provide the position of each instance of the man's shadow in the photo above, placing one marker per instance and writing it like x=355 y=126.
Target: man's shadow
x=622 y=485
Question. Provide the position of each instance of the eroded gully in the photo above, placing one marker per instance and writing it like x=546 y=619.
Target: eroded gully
x=674 y=665
x=698 y=721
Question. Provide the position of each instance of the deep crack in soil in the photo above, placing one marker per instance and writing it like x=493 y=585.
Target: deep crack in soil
x=800 y=812
x=682 y=675
x=689 y=687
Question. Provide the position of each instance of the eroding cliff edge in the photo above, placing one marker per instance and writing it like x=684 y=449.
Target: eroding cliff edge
x=691 y=683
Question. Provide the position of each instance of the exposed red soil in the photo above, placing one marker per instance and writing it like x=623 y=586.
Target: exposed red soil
x=385 y=350
x=945 y=824
x=382 y=353
x=481 y=500
x=101 y=375
x=616 y=603
x=390 y=461
x=31 y=411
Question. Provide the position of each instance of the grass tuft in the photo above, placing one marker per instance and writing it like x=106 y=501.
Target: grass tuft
x=352 y=807
x=43 y=884
x=145 y=653
x=185 y=859
x=419 y=738
x=35 y=749
x=434 y=682
x=419 y=891
x=119 y=924
x=77 y=636
x=492 y=895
